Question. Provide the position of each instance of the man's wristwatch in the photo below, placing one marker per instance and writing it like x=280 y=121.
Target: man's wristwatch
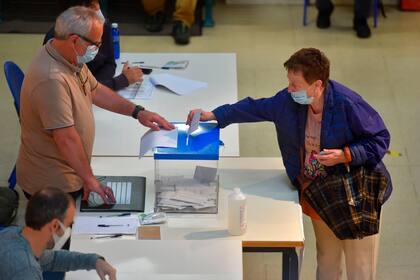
x=136 y=111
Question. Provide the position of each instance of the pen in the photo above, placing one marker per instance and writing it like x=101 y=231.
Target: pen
x=103 y=225
x=122 y=62
x=116 y=215
x=106 y=236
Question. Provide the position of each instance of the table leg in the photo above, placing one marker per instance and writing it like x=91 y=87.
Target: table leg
x=290 y=259
x=290 y=264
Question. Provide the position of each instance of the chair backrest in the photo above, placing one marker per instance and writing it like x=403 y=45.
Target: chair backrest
x=14 y=77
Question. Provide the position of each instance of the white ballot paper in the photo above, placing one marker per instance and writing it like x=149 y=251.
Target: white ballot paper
x=178 y=85
x=195 y=121
x=109 y=225
x=161 y=138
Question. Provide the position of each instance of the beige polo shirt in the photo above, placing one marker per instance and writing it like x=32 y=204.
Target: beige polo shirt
x=55 y=94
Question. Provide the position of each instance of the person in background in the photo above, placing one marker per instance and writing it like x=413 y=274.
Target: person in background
x=361 y=13
x=26 y=252
x=183 y=18
x=321 y=127
x=103 y=66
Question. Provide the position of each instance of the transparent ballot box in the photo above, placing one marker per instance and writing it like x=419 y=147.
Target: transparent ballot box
x=186 y=177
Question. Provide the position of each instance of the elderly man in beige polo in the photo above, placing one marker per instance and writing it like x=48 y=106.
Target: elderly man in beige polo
x=57 y=122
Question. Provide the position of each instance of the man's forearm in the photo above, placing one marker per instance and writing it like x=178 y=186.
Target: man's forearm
x=109 y=100
x=63 y=260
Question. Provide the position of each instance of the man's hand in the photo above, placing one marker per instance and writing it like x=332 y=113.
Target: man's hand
x=94 y=186
x=133 y=74
x=105 y=269
x=205 y=116
x=330 y=157
x=154 y=121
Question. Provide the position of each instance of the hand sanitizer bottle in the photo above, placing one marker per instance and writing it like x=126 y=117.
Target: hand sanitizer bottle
x=237 y=219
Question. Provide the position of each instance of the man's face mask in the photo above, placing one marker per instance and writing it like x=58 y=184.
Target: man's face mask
x=59 y=241
x=100 y=14
x=91 y=52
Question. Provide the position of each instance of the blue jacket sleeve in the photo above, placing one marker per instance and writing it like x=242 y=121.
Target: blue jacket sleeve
x=372 y=136
x=248 y=110
x=63 y=260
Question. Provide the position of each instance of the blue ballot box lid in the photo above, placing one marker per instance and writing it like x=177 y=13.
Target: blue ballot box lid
x=203 y=144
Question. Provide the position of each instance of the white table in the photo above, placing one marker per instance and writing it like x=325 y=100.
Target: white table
x=274 y=214
x=165 y=259
x=118 y=135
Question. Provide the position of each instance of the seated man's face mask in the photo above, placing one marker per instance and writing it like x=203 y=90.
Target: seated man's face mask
x=59 y=241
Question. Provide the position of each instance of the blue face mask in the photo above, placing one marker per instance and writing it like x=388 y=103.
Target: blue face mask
x=301 y=97
x=91 y=52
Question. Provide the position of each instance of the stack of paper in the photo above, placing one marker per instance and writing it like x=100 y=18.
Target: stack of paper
x=177 y=192
x=189 y=193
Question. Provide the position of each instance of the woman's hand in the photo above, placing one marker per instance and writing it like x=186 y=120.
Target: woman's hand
x=331 y=157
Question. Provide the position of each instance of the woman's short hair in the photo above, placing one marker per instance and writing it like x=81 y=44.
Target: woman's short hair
x=75 y=20
x=313 y=64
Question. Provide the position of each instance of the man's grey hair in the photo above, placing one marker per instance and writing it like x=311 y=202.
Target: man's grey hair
x=75 y=20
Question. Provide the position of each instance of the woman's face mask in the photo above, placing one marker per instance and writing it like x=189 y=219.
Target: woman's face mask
x=301 y=97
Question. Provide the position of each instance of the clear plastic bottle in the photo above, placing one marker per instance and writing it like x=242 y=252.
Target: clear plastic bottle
x=116 y=40
x=237 y=211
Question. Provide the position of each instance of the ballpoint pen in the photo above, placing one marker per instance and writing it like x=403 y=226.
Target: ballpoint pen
x=106 y=236
x=116 y=215
x=104 y=225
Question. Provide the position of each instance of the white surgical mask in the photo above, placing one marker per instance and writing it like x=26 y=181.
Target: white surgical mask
x=59 y=241
x=91 y=52
x=100 y=14
x=301 y=97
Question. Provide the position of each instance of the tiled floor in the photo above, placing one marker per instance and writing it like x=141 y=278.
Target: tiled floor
x=383 y=69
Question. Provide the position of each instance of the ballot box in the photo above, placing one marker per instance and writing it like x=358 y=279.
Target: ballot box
x=187 y=177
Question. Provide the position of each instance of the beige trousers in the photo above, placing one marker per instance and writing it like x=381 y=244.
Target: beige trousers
x=360 y=255
x=184 y=9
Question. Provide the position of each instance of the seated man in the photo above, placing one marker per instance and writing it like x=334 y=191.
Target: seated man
x=183 y=18
x=103 y=65
x=26 y=252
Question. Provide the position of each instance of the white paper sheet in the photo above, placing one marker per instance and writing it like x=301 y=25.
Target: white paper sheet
x=143 y=91
x=161 y=138
x=114 y=225
x=195 y=122
x=178 y=85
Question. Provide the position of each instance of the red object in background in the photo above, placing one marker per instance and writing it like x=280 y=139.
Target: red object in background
x=410 y=5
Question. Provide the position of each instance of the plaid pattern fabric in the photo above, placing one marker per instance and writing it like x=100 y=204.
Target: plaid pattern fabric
x=350 y=203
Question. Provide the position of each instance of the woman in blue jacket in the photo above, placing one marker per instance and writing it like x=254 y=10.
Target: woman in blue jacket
x=321 y=126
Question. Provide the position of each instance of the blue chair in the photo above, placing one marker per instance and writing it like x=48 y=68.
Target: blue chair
x=14 y=77
x=375 y=12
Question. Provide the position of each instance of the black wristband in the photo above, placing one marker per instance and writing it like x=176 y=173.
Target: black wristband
x=136 y=111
